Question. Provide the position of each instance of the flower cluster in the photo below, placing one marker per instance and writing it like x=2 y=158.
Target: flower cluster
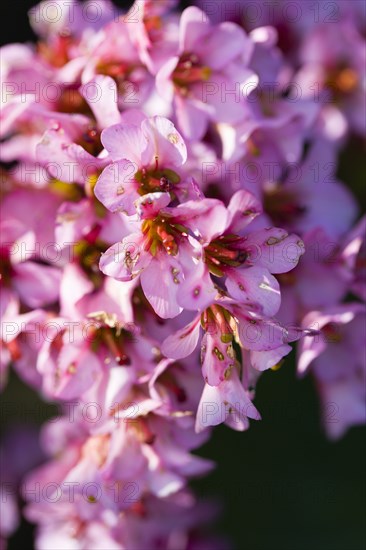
x=171 y=222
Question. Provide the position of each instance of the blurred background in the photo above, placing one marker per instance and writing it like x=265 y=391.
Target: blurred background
x=282 y=485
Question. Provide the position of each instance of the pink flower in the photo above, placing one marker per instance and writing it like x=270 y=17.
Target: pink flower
x=28 y=248
x=209 y=63
x=141 y=273
x=22 y=340
x=246 y=261
x=154 y=31
x=272 y=131
x=71 y=149
x=332 y=59
x=160 y=251
x=227 y=402
x=146 y=160
x=111 y=52
x=49 y=21
x=354 y=258
x=325 y=274
x=224 y=324
x=297 y=197
x=337 y=360
x=15 y=463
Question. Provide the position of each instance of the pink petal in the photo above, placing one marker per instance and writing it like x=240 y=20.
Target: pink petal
x=335 y=221
x=160 y=283
x=217 y=359
x=224 y=43
x=37 y=285
x=149 y=205
x=118 y=386
x=101 y=95
x=319 y=284
x=274 y=249
x=193 y=28
x=74 y=285
x=263 y=360
x=10 y=329
x=126 y=259
x=78 y=370
x=209 y=411
x=168 y=144
x=228 y=402
x=221 y=98
x=65 y=160
x=10 y=518
x=258 y=334
x=197 y=291
x=116 y=187
x=206 y=218
x=343 y=405
x=255 y=285
x=74 y=220
x=163 y=81
x=183 y=342
x=125 y=142
x=243 y=208
x=192 y=119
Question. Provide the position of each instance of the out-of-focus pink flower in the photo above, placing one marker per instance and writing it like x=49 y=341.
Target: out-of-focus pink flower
x=296 y=197
x=28 y=248
x=354 y=257
x=333 y=57
x=337 y=360
x=14 y=464
x=154 y=31
x=209 y=63
x=328 y=270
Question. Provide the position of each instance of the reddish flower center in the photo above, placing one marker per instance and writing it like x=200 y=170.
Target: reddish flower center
x=342 y=80
x=90 y=141
x=88 y=254
x=6 y=269
x=168 y=381
x=122 y=73
x=282 y=205
x=189 y=71
x=71 y=101
x=115 y=340
x=154 y=26
x=115 y=69
x=332 y=333
x=142 y=430
x=160 y=234
x=155 y=179
x=217 y=320
x=56 y=53
x=225 y=251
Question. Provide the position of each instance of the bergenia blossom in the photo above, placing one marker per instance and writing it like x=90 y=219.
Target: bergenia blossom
x=336 y=358
x=174 y=221
x=209 y=62
x=146 y=159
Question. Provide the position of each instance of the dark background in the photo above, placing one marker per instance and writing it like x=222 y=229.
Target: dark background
x=282 y=485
